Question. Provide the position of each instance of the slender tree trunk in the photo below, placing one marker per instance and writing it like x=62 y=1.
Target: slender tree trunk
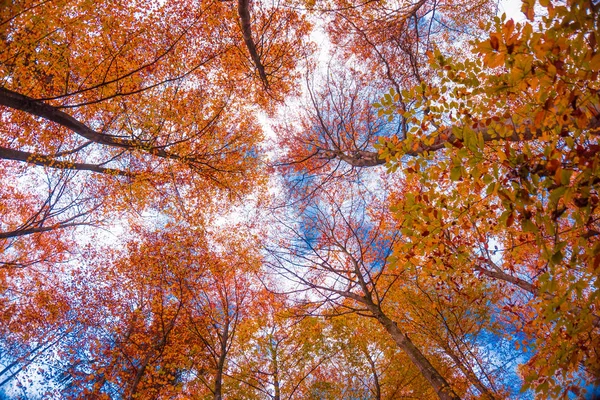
x=475 y=381
x=219 y=384
x=437 y=381
x=503 y=276
x=276 y=388
x=365 y=158
x=221 y=363
x=53 y=162
x=40 y=229
x=138 y=377
x=244 y=14
x=157 y=348
x=375 y=375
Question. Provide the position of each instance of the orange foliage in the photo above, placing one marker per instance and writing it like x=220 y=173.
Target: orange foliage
x=143 y=117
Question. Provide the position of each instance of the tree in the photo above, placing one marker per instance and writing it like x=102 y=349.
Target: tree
x=389 y=42
x=337 y=252
x=286 y=353
x=469 y=247
x=110 y=112
x=161 y=319
x=218 y=310
x=510 y=136
x=368 y=361
x=138 y=100
x=520 y=145
x=339 y=203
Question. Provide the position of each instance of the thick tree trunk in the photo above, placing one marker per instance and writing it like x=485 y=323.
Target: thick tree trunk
x=31 y=106
x=38 y=108
x=437 y=381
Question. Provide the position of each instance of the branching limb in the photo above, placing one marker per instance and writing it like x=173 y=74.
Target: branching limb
x=244 y=14
x=52 y=162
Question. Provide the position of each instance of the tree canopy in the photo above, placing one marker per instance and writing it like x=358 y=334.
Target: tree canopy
x=195 y=203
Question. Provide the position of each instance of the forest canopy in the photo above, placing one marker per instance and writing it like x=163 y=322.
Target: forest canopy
x=299 y=199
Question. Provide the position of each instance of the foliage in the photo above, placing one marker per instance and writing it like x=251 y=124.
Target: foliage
x=439 y=240
x=513 y=202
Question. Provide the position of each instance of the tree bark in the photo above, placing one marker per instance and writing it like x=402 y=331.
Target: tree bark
x=276 y=387
x=364 y=158
x=40 y=229
x=51 y=162
x=375 y=375
x=38 y=108
x=437 y=381
x=138 y=377
x=244 y=14
x=24 y=103
x=503 y=276
x=218 y=391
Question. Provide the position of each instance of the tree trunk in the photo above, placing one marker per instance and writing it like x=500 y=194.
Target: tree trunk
x=475 y=381
x=437 y=381
x=138 y=377
x=375 y=375
x=224 y=338
x=53 y=162
x=244 y=14
x=276 y=388
x=218 y=384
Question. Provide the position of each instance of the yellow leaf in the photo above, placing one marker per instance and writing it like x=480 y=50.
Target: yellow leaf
x=494 y=60
x=539 y=118
x=595 y=62
x=558 y=176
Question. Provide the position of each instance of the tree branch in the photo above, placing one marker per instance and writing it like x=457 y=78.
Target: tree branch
x=244 y=15
x=365 y=158
x=51 y=162
x=38 y=108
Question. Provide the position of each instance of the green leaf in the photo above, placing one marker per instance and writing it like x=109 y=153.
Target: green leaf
x=557 y=257
x=456 y=173
x=528 y=226
x=565 y=176
x=557 y=193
